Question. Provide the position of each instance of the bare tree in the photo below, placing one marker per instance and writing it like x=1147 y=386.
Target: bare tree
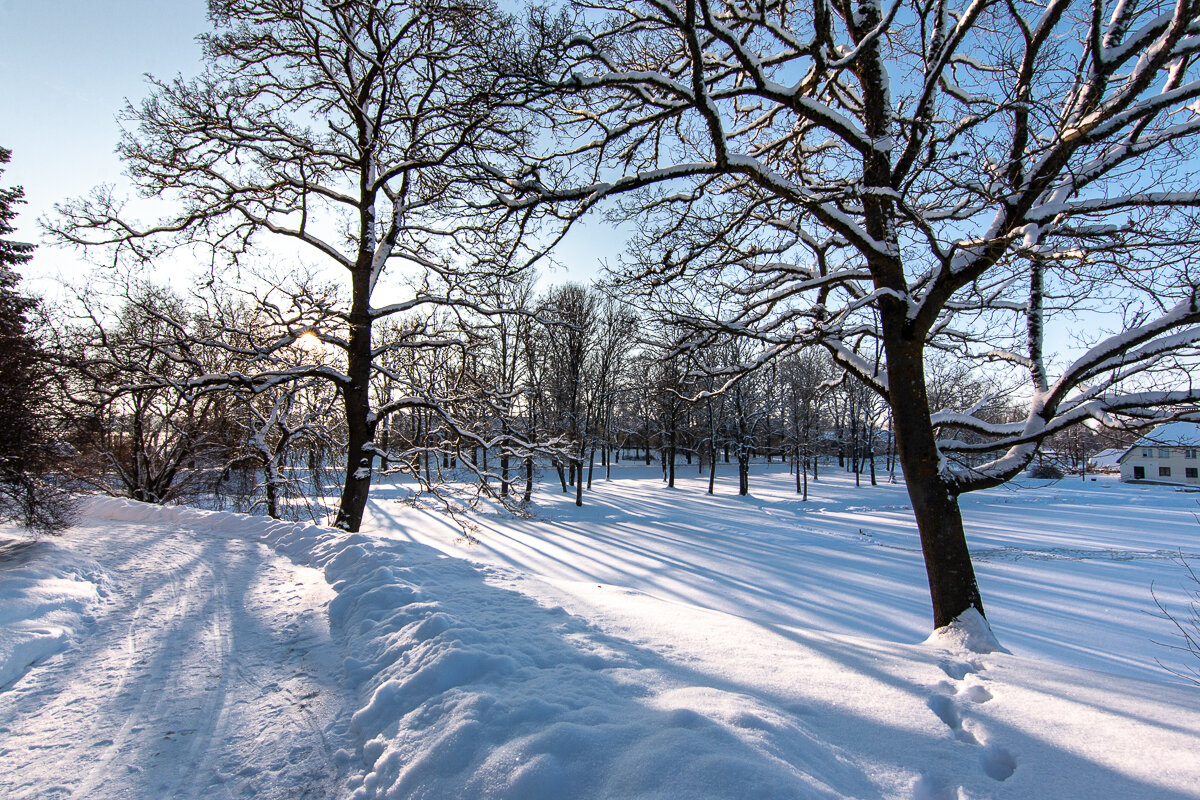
x=568 y=339
x=356 y=132
x=615 y=338
x=505 y=377
x=807 y=376
x=893 y=178
x=136 y=430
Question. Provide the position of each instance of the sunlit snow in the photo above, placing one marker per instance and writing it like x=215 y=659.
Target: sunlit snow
x=654 y=643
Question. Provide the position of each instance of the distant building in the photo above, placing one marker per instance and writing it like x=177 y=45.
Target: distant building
x=1168 y=454
x=1107 y=460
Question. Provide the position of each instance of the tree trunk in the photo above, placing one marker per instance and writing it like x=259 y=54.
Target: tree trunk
x=528 y=478
x=386 y=443
x=577 y=468
x=952 y=585
x=356 y=397
x=671 y=455
x=274 y=478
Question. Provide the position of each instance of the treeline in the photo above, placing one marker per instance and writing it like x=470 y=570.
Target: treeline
x=231 y=396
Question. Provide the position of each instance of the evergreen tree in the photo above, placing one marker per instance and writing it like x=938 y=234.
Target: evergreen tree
x=25 y=451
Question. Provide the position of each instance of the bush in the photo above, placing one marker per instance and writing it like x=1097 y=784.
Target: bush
x=1046 y=472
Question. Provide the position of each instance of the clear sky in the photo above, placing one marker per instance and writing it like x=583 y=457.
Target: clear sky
x=66 y=67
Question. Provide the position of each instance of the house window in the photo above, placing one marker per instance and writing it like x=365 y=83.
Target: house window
x=1139 y=473
x=1164 y=472
x=1190 y=453
x=1192 y=472
x=1147 y=452
x=1164 y=452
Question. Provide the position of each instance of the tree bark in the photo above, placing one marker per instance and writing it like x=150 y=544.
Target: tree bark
x=952 y=585
x=577 y=469
x=528 y=479
x=360 y=424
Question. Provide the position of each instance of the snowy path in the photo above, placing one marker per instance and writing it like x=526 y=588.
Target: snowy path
x=205 y=675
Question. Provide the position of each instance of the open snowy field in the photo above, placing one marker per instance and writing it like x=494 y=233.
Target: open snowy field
x=653 y=644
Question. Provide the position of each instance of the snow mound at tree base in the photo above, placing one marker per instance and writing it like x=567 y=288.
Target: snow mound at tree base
x=48 y=595
x=969 y=632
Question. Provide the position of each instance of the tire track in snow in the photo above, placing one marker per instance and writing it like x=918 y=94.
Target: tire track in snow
x=204 y=677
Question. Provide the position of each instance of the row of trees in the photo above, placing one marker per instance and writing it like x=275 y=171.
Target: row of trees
x=899 y=185
x=168 y=398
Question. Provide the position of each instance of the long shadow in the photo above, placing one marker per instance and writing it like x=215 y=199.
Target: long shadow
x=471 y=689
x=15 y=552
x=779 y=574
x=849 y=561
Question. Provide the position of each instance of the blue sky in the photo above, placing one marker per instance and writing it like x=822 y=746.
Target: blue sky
x=66 y=67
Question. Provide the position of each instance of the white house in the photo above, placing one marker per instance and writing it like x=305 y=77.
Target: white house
x=1168 y=454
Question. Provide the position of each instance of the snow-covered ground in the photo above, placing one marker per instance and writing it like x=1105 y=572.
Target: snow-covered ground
x=194 y=663
x=653 y=644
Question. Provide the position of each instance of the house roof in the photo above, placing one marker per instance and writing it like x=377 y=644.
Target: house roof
x=1172 y=434
x=1107 y=458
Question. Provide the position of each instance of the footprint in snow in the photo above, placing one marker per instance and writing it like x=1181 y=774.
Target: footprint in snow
x=930 y=787
x=997 y=763
x=947 y=711
x=958 y=669
x=976 y=694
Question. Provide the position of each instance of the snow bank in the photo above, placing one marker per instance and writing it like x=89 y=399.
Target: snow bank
x=471 y=690
x=475 y=691
x=47 y=598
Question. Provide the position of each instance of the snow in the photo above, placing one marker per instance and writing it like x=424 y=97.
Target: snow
x=200 y=666
x=1109 y=459
x=969 y=632
x=46 y=599
x=654 y=643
